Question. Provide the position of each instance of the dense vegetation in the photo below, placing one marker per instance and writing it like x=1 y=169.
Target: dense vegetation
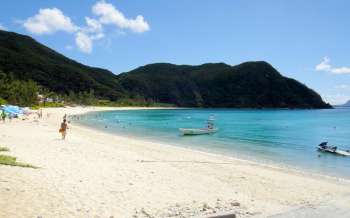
x=18 y=92
x=27 y=59
x=251 y=84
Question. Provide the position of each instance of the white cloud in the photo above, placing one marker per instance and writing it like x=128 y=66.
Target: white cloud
x=97 y=36
x=343 y=86
x=108 y=14
x=2 y=27
x=49 y=20
x=84 y=42
x=93 y=25
x=327 y=67
x=341 y=70
x=324 y=65
x=87 y=35
x=337 y=99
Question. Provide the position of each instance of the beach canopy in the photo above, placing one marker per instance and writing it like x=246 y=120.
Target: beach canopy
x=12 y=109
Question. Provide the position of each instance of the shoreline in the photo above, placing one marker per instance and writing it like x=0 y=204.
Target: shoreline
x=94 y=173
x=272 y=165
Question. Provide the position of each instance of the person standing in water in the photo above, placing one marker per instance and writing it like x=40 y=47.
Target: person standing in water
x=63 y=129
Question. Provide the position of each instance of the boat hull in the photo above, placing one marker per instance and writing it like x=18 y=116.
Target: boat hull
x=337 y=152
x=197 y=131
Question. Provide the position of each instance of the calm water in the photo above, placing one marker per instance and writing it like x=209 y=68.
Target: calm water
x=285 y=137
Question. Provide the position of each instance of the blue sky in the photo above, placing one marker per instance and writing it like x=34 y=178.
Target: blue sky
x=305 y=40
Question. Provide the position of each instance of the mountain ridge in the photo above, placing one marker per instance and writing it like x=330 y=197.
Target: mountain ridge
x=244 y=74
x=254 y=84
x=347 y=104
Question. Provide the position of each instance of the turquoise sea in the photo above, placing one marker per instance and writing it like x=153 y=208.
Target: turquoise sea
x=283 y=137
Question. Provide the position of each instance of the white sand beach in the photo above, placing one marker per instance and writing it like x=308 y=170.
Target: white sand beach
x=96 y=174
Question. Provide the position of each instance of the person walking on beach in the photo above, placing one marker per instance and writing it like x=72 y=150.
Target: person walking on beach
x=63 y=129
x=41 y=113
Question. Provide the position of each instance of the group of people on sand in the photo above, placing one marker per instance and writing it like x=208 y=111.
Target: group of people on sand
x=62 y=130
x=3 y=116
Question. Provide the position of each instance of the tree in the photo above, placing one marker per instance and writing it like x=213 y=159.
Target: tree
x=18 y=92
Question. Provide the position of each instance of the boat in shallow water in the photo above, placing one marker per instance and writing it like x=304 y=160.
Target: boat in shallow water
x=209 y=129
x=332 y=149
x=185 y=131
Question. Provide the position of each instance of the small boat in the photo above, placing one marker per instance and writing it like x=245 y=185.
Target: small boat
x=210 y=129
x=332 y=149
x=185 y=131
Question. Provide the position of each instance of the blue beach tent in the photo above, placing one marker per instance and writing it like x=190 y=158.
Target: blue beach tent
x=11 y=109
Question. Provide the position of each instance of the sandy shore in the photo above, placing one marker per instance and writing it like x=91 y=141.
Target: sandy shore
x=96 y=174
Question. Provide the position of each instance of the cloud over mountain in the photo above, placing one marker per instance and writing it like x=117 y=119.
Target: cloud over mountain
x=52 y=20
x=48 y=21
x=108 y=14
x=326 y=66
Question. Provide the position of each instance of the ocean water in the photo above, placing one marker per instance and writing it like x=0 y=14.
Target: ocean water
x=283 y=137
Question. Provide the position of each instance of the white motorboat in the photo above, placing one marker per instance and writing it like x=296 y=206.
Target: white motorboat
x=209 y=129
x=332 y=149
x=185 y=131
x=343 y=153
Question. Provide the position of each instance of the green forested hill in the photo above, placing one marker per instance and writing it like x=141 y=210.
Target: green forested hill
x=27 y=59
x=251 y=84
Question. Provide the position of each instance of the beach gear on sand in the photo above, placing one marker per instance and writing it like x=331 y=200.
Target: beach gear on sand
x=11 y=109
